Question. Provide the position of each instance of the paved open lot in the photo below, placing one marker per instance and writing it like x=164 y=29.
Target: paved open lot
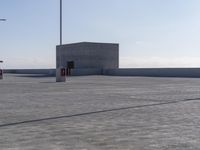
x=99 y=113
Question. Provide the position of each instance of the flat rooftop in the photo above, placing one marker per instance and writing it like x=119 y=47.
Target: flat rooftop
x=99 y=113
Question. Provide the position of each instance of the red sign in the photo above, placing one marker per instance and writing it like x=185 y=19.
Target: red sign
x=63 y=72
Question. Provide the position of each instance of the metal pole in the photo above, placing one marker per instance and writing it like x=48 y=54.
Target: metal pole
x=60 y=22
x=60 y=31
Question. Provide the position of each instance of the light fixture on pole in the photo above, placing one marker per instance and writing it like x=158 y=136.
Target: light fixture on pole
x=2 y=19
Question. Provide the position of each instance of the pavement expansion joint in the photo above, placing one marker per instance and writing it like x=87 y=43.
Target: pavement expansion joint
x=96 y=112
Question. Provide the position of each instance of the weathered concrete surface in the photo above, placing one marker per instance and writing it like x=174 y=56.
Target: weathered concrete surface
x=165 y=113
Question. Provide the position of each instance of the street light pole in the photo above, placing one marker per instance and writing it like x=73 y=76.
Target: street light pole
x=1 y=71
x=60 y=22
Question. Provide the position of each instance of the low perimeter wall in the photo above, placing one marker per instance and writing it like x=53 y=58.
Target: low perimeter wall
x=154 y=72
x=49 y=72
x=52 y=72
x=148 y=72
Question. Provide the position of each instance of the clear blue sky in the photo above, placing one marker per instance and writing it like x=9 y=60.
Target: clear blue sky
x=151 y=33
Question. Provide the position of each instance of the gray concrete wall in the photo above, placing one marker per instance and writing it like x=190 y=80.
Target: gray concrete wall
x=88 y=55
x=89 y=71
x=154 y=72
x=149 y=72
x=50 y=72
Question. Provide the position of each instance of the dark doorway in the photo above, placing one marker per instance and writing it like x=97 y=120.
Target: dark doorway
x=70 y=65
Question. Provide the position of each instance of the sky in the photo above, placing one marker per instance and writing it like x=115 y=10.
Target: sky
x=151 y=33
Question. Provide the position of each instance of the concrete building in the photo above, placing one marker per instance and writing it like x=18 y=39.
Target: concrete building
x=88 y=55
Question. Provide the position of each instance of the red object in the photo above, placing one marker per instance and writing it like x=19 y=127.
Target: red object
x=63 y=72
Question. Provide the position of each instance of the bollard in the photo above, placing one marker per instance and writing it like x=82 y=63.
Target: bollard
x=61 y=74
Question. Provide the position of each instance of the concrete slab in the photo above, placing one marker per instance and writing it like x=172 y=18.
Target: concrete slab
x=99 y=113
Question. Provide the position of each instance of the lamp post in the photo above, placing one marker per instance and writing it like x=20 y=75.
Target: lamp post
x=1 y=71
x=60 y=22
x=60 y=71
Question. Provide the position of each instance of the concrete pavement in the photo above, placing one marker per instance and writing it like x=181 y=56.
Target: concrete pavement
x=99 y=113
